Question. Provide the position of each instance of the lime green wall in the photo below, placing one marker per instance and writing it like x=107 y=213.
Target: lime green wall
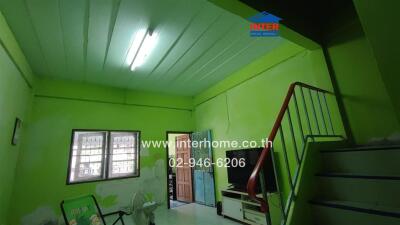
x=66 y=89
x=248 y=110
x=379 y=20
x=57 y=109
x=366 y=66
x=15 y=100
x=241 y=107
x=15 y=97
x=367 y=103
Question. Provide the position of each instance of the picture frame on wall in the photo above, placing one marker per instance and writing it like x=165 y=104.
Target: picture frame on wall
x=17 y=131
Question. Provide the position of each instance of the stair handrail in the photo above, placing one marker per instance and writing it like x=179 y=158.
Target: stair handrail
x=252 y=182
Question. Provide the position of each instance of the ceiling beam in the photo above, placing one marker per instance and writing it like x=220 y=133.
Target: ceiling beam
x=35 y=31
x=113 y=19
x=86 y=20
x=14 y=52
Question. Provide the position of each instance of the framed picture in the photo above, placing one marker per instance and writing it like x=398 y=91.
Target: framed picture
x=17 y=131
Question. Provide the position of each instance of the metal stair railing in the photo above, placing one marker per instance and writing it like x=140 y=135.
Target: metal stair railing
x=323 y=128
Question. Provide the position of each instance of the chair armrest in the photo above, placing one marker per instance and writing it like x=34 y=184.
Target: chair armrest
x=119 y=212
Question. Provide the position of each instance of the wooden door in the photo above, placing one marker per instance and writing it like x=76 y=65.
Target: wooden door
x=183 y=169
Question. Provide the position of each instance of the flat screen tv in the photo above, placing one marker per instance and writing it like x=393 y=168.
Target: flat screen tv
x=238 y=176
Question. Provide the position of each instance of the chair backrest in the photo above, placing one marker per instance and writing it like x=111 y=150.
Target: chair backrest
x=82 y=211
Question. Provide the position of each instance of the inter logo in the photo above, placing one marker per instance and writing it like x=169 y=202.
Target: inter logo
x=264 y=25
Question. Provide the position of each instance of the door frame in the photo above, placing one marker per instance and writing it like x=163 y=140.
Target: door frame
x=167 y=162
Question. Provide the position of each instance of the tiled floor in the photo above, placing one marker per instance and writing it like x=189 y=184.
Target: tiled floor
x=191 y=214
x=174 y=204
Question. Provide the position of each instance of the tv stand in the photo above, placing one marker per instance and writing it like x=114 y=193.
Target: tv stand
x=235 y=189
x=237 y=205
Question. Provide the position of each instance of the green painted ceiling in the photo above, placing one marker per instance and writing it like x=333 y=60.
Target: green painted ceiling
x=88 y=40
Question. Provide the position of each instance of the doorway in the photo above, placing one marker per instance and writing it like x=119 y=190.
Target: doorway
x=179 y=173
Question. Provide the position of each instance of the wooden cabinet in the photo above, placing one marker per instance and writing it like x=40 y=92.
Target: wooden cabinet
x=232 y=208
x=254 y=216
x=237 y=205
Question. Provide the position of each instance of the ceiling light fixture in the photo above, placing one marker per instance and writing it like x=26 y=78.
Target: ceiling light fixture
x=141 y=47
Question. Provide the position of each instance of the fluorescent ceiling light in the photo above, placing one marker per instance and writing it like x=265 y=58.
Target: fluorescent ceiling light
x=140 y=34
x=141 y=47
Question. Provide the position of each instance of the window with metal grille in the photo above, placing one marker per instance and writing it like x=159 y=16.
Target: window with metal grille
x=103 y=155
x=123 y=160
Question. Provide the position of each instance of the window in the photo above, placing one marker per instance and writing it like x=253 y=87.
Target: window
x=103 y=155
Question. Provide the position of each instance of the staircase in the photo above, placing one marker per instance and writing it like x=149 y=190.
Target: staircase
x=358 y=185
x=349 y=186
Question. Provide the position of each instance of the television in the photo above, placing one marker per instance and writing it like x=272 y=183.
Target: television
x=239 y=176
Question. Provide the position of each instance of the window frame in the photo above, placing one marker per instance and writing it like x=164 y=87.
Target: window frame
x=105 y=176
